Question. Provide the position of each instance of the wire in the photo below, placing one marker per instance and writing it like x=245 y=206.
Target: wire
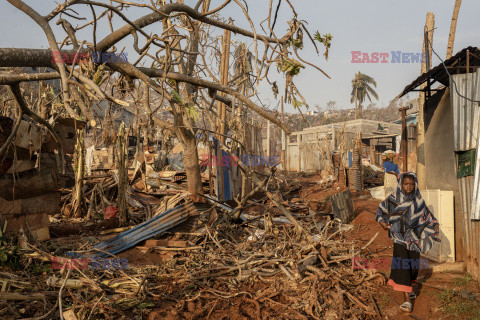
x=446 y=69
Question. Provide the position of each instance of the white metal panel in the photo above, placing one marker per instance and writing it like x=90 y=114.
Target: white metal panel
x=466 y=114
x=292 y=157
x=440 y=204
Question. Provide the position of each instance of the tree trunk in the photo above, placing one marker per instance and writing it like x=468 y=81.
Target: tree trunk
x=453 y=28
x=357 y=112
x=192 y=167
x=79 y=173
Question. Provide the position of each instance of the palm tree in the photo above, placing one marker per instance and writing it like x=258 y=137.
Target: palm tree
x=361 y=89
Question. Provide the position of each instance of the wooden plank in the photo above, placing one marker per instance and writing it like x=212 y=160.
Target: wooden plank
x=459 y=230
x=477 y=258
x=166 y=243
x=476 y=250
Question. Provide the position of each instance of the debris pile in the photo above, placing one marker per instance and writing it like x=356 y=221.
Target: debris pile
x=283 y=258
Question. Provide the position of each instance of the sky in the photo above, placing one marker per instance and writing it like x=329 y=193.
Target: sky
x=367 y=26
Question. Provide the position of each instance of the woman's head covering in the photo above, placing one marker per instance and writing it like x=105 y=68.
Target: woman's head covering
x=412 y=223
x=389 y=155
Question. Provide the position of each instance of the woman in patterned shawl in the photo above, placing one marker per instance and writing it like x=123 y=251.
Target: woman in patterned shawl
x=412 y=227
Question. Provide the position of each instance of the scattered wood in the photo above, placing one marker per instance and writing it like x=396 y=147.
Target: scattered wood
x=166 y=243
x=21 y=297
x=160 y=248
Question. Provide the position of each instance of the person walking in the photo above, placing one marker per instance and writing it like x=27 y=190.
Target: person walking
x=412 y=227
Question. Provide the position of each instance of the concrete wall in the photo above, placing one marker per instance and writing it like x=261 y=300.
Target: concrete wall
x=440 y=157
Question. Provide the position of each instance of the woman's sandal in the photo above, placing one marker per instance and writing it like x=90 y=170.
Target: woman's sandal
x=406 y=306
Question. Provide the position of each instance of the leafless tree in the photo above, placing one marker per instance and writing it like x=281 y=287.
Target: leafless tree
x=177 y=68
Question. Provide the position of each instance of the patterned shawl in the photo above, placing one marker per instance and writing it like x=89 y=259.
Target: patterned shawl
x=412 y=223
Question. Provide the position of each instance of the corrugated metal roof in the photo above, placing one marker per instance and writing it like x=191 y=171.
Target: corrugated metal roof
x=357 y=125
x=466 y=114
x=457 y=64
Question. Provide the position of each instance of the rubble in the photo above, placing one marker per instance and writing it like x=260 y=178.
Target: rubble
x=280 y=259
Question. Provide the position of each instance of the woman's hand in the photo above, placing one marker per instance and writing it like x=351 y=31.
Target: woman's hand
x=385 y=226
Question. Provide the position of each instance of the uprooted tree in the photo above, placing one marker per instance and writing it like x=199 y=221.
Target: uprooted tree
x=179 y=67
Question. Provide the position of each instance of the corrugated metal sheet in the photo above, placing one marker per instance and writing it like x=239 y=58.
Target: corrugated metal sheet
x=465 y=186
x=466 y=117
x=475 y=206
x=141 y=232
x=466 y=114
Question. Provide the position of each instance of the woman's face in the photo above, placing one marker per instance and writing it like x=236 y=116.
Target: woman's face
x=408 y=185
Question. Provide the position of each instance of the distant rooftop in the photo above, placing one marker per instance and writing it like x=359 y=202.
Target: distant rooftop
x=368 y=127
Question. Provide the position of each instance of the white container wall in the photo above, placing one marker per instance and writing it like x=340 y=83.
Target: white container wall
x=440 y=204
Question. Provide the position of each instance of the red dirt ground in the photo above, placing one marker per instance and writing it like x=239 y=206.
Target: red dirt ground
x=427 y=305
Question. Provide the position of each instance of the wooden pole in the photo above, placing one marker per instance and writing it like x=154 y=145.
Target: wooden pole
x=426 y=64
x=224 y=80
x=268 y=140
x=284 y=142
x=224 y=63
x=122 y=175
x=361 y=161
x=404 y=143
x=211 y=186
x=453 y=28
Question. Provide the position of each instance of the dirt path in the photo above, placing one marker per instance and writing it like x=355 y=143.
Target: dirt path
x=435 y=289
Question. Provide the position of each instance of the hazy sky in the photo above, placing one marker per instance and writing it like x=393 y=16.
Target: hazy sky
x=367 y=26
